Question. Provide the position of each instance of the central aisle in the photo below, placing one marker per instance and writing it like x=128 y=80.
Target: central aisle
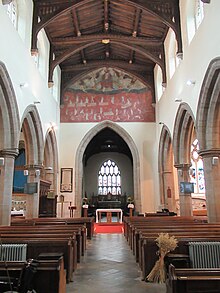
x=110 y=267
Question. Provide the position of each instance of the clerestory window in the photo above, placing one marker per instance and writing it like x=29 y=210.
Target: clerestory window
x=12 y=12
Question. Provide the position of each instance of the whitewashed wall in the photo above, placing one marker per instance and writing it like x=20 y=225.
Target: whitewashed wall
x=16 y=55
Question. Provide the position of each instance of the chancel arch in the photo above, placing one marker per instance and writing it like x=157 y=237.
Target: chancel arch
x=184 y=134
x=80 y=160
x=9 y=138
x=166 y=171
x=208 y=125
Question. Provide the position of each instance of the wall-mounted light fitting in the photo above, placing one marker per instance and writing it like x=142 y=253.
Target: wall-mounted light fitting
x=190 y=82
x=37 y=172
x=26 y=172
x=215 y=161
x=2 y=161
x=23 y=85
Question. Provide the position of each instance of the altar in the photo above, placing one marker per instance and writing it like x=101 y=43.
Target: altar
x=109 y=214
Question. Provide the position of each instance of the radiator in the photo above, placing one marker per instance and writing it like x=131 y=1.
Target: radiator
x=204 y=254
x=13 y=252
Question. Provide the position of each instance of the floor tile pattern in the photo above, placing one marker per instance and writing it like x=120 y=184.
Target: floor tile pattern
x=109 y=267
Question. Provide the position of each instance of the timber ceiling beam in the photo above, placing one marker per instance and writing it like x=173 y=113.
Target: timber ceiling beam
x=70 y=41
x=162 y=10
x=135 y=31
x=105 y=63
x=76 y=23
x=72 y=51
x=106 y=16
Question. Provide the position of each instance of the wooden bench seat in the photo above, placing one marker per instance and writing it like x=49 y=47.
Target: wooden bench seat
x=88 y=221
x=79 y=231
x=193 y=280
x=149 y=250
x=37 y=245
x=50 y=276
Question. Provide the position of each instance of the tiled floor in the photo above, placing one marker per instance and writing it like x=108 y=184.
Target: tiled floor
x=110 y=267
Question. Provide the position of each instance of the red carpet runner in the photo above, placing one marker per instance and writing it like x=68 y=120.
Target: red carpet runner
x=108 y=228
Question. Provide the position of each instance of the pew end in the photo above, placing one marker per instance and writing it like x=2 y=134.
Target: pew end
x=187 y=280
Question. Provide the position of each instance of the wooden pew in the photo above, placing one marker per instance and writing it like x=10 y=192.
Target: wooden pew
x=88 y=221
x=38 y=245
x=140 y=233
x=143 y=233
x=193 y=280
x=78 y=230
x=149 y=250
x=50 y=276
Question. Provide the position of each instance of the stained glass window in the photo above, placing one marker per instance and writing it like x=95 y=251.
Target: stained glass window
x=197 y=174
x=109 y=178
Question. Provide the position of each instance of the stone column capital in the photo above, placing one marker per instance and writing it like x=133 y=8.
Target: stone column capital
x=183 y=167
x=33 y=167
x=5 y=2
x=206 y=153
x=9 y=152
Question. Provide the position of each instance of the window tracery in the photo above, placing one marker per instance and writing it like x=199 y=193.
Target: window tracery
x=197 y=174
x=12 y=12
x=109 y=178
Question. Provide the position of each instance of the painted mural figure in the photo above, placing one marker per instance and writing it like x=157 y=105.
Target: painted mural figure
x=110 y=95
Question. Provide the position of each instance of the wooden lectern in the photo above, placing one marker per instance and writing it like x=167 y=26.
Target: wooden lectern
x=72 y=209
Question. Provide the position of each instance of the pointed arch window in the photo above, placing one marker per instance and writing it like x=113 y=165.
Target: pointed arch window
x=199 y=12
x=197 y=176
x=109 y=178
x=12 y=12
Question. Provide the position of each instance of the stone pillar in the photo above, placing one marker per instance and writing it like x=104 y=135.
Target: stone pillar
x=32 y=200
x=185 y=199
x=211 y=164
x=6 y=184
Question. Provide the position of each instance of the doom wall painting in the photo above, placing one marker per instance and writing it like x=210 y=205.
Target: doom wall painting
x=107 y=94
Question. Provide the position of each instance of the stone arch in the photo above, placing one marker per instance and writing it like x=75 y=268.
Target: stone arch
x=51 y=159
x=33 y=134
x=79 y=159
x=208 y=124
x=9 y=140
x=165 y=167
x=184 y=133
x=184 y=129
x=208 y=113
x=9 y=115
